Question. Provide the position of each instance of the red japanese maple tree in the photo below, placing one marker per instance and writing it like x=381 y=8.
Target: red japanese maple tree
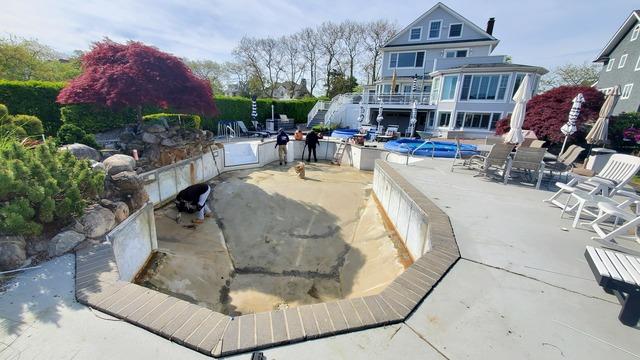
x=547 y=112
x=136 y=75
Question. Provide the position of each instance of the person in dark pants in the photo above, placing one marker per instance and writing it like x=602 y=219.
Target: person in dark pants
x=281 y=144
x=194 y=199
x=312 y=141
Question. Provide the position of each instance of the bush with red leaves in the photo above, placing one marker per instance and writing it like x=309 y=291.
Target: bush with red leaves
x=136 y=75
x=547 y=112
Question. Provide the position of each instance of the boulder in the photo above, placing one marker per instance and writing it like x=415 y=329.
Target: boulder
x=120 y=211
x=137 y=200
x=150 y=138
x=12 y=252
x=37 y=246
x=97 y=166
x=118 y=163
x=64 y=242
x=155 y=128
x=168 y=142
x=127 y=181
x=97 y=221
x=82 y=151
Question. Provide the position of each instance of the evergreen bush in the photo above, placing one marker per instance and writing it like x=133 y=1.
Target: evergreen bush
x=71 y=134
x=184 y=120
x=31 y=124
x=43 y=187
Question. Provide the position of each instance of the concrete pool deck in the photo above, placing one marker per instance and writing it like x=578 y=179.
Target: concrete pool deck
x=521 y=290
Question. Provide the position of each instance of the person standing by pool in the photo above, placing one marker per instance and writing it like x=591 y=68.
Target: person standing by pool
x=312 y=141
x=194 y=198
x=281 y=144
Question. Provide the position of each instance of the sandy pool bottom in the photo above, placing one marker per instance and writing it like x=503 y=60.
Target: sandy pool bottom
x=277 y=241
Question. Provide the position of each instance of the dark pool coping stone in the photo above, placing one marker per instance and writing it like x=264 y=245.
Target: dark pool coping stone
x=216 y=334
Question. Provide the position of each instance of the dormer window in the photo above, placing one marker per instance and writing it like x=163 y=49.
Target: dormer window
x=415 y=33
x=635 y=33
x=455 y=30
x=434 y=29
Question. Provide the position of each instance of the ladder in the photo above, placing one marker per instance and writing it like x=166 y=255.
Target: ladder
x=337 y=156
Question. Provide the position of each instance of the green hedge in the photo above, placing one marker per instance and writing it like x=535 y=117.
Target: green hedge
x=37 y=98
x=93 y=118
x=185 y=120
x=239 y=108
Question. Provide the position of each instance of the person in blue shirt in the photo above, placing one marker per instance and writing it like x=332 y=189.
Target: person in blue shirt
x=281 y=144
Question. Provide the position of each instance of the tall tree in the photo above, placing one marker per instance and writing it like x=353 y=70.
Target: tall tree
x=265 y=59
x=238 y=77
x=215 y=73
x=293 y=62
x=585 y=74
x=136 y=75
x=311 y=51
x=377 y=33
x=352 y=40
x=330 y=35
x=22 y=59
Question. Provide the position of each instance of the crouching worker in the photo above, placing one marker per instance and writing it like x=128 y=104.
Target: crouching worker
x=194 y=199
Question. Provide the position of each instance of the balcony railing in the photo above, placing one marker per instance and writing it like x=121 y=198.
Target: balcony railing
x=398 y=99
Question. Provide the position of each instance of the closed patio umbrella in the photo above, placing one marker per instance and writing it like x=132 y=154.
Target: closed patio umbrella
x=600 y=130
x=569 y=128
x=413 y=119
x=521 y=97
x=394 y=79
x=379 y=118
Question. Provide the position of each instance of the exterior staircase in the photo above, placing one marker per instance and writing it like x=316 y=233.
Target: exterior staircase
x=318 y=118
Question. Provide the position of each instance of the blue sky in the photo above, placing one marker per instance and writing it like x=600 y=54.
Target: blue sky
x=542 y=32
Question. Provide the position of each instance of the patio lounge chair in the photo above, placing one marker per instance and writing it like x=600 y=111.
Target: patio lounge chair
x=498 y=157
x=529 y=161
x=246 y=132
x=537 y=144
x=611 y=211
x=619 y=274
x=565 y=161
x=613 y=177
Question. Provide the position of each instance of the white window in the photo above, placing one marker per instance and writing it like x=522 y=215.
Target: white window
x=638 y=64
x=623 y=60
x=484 y=87
x=415 y=33
x=453 y=53
x=444 y=118
x=434 y=29
x=455 y=30
x=610 y=64
x=635 y=33
x=470 y=120
x=406 y=60
x=626 y=91
x=435 y=91
x=449 y=87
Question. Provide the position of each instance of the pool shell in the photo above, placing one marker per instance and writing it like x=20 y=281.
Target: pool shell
x=435 y=148
x=215 y=334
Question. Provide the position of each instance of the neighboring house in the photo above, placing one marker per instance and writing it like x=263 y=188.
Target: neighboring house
x=282 y=90
x=444 y=62
x=621 y=64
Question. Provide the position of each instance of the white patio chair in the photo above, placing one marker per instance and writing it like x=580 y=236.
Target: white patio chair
x=630 y=221
x=615 y=175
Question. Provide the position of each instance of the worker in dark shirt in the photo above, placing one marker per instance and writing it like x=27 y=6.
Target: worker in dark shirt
x=281 y=144
x=194 y=199
x=312 y=141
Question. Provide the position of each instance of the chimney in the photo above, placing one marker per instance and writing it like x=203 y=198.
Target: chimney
x=490 y=24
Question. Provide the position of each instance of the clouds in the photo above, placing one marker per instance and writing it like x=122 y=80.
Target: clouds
x=544 y=32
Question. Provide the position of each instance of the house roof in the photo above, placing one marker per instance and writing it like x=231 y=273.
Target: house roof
x=617 y=37
x=440 y=5
x=492 y=67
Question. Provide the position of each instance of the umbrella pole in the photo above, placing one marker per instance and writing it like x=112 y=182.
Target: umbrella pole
x=563 y=145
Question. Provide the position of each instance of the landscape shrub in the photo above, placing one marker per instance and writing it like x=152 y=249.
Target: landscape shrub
x=624 y=129
x=94 y=118
x=321 y=128
x=43 y=187
x=37 y=98
x=184 y=120
x=71 y=134
x=4 y=113
x=13 y=131
x=31 y=124
x=547 y=112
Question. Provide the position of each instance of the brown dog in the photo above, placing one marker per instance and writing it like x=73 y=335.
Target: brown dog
x=300 y=170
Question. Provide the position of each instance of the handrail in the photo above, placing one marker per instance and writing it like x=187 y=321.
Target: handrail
x=433 y=149
x=319 y=105
x=228 y=134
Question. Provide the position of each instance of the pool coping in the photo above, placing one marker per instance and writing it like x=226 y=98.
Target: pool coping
x=215 y=334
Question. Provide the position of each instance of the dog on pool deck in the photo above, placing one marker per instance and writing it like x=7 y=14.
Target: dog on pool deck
x=300 y=170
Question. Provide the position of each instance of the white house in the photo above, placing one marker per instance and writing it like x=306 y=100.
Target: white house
x=444 y=63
